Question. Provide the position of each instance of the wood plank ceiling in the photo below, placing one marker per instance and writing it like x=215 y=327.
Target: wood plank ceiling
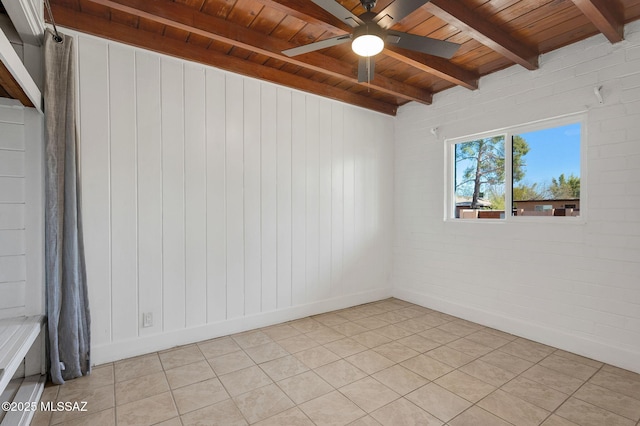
x=248 y=36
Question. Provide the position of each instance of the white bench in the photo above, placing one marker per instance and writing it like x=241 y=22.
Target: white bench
x=17 y=336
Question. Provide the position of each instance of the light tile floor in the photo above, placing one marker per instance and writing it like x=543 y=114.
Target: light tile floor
x=388 y=362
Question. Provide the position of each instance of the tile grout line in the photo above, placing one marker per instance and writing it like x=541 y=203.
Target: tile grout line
x=323 y=331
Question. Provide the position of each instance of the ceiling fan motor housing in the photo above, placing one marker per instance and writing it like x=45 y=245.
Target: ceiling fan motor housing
x=369 y=28
x=368 y=4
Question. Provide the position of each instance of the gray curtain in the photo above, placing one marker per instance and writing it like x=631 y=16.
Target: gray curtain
x=66 y=287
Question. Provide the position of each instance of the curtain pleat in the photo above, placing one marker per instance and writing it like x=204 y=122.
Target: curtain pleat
x=66 y=288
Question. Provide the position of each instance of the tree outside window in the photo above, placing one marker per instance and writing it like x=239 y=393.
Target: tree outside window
x=545 y=171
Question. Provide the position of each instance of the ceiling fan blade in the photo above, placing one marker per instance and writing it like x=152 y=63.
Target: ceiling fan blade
x=340 y=12
x=430 y=46
x=366 y=69
x=397 y=11
x=333 y=41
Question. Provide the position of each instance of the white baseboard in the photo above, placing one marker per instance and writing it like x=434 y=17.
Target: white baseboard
x=115 y=351
x=619 y=357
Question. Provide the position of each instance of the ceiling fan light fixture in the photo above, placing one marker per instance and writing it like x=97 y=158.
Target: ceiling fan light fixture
x=367 y=45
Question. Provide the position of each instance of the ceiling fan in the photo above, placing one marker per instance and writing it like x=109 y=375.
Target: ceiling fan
x=371 y=32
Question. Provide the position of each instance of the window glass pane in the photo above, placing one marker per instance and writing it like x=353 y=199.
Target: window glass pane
x=479 y=178
x=546 y=172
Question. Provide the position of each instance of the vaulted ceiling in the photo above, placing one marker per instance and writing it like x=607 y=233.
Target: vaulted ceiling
x=248 y=37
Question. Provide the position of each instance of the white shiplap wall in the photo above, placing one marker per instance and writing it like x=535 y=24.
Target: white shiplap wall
x=574 y=286
x=21 y=206
x=220 y=203
x=13 y=272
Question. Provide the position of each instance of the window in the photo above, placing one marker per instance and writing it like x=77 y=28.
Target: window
x=479 y=176
x=531 y=170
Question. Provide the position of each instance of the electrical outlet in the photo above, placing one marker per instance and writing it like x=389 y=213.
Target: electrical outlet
x=147 y=319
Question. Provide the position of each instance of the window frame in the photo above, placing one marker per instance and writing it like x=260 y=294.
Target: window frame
x=508 y=133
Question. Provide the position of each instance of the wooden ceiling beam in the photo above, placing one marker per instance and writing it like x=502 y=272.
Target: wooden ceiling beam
x=460 y=16
x=307 y=11
x=125 y=34
x=606 y=15
x=12 y=87
x=435 y=65
x=188 y=19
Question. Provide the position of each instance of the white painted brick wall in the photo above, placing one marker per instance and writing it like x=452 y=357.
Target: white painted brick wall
x=574 y=286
